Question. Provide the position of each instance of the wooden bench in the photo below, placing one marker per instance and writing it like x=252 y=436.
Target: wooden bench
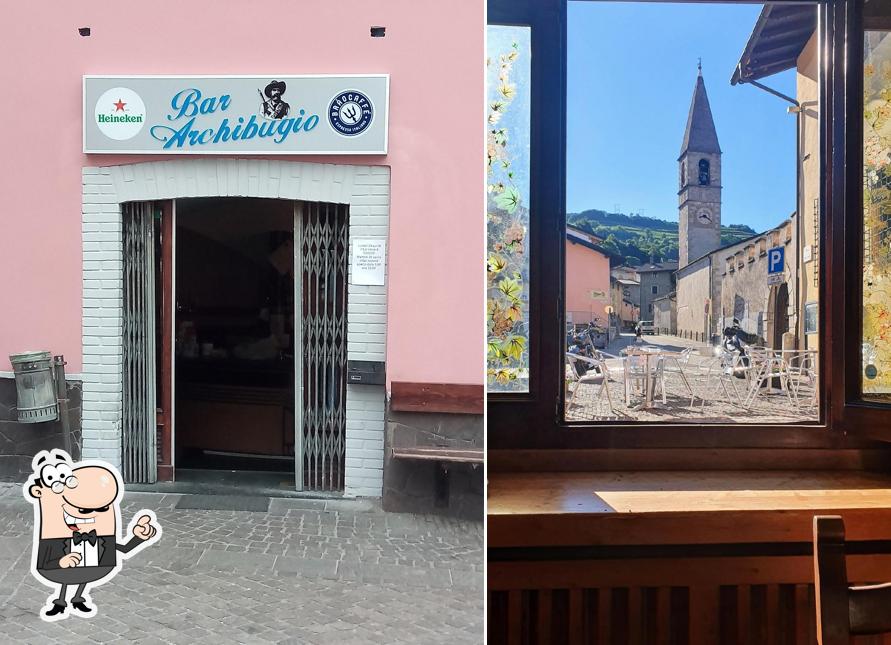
x=688 y=557
x=442 y=456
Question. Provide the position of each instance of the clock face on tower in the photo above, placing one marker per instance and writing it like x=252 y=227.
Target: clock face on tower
x=704 y=217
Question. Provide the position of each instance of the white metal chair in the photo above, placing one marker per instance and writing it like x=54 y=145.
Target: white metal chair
x=678 y=364
x=765 y=366
x=644 y=372
x=803 y=377
x=594 y=373
x=723 y=371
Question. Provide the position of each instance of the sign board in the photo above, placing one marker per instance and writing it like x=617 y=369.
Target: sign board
x=776 y=260
x=368 y=262
x=775 y=278
x=598 y=295
x=294 y=115
x=806 y=253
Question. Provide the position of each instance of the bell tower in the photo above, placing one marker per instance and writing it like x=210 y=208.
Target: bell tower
x=699 y=194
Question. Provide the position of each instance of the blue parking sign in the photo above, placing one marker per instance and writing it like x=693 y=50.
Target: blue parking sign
x=776 y=260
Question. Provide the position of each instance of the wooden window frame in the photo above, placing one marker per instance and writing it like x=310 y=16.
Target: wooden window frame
x=848 y=412
x=534 y=420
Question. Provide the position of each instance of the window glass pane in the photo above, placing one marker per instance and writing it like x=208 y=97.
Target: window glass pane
x=691 y=284
x=507 y=157
x=876 y=350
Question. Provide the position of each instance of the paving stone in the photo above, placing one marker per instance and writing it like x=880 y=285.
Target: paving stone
x=305 y=566
x=332 y=572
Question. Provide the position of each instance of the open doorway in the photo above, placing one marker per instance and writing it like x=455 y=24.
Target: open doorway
x=247 y=344
x=234 y=340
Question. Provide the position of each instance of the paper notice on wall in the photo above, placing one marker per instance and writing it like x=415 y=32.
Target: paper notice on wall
x=369 y=260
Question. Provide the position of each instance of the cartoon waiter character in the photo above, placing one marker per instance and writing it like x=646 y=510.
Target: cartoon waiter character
x=77 y=517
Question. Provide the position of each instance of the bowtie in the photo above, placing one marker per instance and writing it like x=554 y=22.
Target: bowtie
x=82 y=536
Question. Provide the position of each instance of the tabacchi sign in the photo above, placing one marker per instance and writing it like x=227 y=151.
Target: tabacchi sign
x=236 y=114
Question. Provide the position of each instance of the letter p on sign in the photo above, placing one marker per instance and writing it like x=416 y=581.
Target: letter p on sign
x=776 y=260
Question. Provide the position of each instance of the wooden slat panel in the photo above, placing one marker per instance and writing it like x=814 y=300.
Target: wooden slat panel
x=744 y=613
x=437 y=397
x=619 y=617
x=592 y=615
x=514 y=617
x=604 y=611
x=772 y=602
x=803 y=618
x=576 y=617
x=635 y=615
x=704 y=616
x=543 y=623
x=679 y=627
x=786 y=615
x=728 y=610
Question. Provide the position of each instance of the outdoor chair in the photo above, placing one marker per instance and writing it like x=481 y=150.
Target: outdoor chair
x=765 y=366
x=595 y=373
x=719 y=373
x=844 y=611
x=636 y=377
x=679 y=364
x=802 y=377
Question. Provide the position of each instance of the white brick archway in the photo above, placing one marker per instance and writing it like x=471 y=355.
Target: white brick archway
x=367 y=191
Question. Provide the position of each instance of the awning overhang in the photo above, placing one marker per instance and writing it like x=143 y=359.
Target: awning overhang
x=779 y=36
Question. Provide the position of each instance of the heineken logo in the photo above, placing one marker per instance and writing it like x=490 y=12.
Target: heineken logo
x=120 y=113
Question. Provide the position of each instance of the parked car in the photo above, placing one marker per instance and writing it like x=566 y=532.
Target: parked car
x=647 y=327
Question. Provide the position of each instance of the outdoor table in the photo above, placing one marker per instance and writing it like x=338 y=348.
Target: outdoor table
x=648 y=371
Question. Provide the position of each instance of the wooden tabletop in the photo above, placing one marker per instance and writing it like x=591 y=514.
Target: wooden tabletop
x=622 y=508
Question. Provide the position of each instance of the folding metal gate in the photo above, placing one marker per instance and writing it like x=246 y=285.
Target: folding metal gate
x=139 y=432
x=322 y=245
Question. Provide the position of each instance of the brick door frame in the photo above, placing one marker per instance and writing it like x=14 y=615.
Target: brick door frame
x=366 y=189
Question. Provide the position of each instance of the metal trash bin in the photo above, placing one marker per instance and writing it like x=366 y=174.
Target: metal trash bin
x=35 y=389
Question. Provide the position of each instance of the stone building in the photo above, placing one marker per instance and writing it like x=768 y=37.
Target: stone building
x=625 y=295
x=763 y=57
x=665 y=314
x=696 y=290
x=656 y=280
x=732 y=283
x=763 y=310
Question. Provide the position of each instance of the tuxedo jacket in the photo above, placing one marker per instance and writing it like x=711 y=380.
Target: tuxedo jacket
x=51 y=550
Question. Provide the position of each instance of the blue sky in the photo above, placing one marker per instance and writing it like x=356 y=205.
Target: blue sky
x=631 y=74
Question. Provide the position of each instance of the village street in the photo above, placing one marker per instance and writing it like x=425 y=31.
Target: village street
x=697 y=390
x=307 y=571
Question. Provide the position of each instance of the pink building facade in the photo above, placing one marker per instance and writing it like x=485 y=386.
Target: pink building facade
x=61 y=233
x=587 y=279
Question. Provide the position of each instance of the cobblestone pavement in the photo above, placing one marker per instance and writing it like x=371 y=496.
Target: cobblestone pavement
x=722 y=397
x=308 y=571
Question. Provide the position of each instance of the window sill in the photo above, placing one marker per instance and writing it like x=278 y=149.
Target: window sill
x=663 y=508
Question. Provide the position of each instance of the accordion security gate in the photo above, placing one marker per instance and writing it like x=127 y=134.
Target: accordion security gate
x=139 y=436
x=321 y=256
x=322 y=249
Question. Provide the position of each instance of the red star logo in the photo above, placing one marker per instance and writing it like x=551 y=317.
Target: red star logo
x=119 y=106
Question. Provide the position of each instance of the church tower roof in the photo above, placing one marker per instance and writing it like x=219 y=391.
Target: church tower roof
x=700 y=135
